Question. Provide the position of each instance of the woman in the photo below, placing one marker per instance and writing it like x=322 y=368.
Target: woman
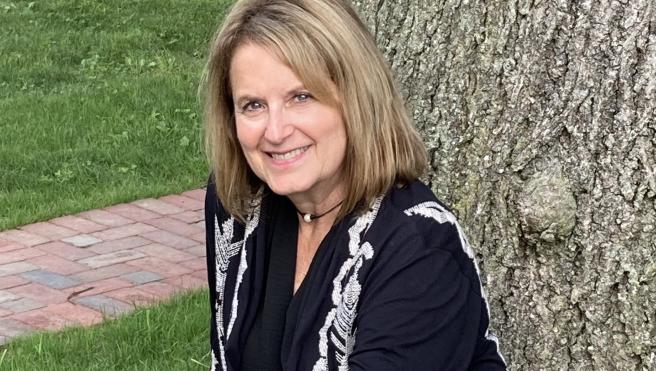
x=324 y=251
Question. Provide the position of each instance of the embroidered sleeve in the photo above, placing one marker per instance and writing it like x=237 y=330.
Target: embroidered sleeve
x=421 y=310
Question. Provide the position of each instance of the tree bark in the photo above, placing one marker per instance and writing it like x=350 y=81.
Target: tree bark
x=539 y=117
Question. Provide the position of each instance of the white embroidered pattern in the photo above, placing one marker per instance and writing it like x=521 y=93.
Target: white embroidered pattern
x=225 y=250
x=251 y=223
x=434 y=210
x=345 y=300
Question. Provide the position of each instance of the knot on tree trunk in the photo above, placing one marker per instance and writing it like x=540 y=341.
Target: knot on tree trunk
x=547 y=207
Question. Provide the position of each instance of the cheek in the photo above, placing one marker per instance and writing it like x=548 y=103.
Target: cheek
x=246 y=135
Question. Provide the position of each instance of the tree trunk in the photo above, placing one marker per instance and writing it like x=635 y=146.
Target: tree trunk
x=539 y=117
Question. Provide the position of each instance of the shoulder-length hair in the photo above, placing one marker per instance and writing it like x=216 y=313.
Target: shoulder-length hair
x=318 y=40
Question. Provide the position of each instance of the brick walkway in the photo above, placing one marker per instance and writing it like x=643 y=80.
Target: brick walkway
x=79 y=269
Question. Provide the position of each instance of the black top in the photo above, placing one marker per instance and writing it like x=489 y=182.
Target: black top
x=395 y=288
x=264 y=341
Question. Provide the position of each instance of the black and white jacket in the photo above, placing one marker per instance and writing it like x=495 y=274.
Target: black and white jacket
x=396 y=288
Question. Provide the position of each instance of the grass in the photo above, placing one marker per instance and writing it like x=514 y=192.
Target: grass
x=98 y=106
x=98 y=102
x=171 y=336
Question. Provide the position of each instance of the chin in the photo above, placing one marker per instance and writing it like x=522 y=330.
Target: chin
x=286 y=189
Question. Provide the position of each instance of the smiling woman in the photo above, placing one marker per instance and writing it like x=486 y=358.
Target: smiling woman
x=324 y=250
x=292 y=142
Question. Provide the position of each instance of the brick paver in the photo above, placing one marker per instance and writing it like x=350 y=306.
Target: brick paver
x=184 y=202
x=82 y=240
x=78 y=224
x=50 y=230
x=120 y=244
x=106 y=218
x=157 y=206
x=190 y=216
x=55 y=264
x=25 y=238
x=19 y=255
x=79 y=269
x=124 y=231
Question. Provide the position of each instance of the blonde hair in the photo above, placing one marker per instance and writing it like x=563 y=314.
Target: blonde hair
x=319 y=40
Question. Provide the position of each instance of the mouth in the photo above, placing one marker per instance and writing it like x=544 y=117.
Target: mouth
x=285 y=156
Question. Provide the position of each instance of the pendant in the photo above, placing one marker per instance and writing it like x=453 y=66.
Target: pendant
x=307 y=218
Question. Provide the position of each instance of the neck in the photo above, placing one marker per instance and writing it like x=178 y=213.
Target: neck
x=321 y=210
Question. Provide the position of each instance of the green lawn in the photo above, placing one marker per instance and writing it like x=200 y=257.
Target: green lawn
x=98 y=102
x=98 y=106
x=170 y=337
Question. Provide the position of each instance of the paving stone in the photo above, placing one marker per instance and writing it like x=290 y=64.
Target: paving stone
x=197 y=194
x=49 y=230
x=165 y=252
x=104 y=272
x=195 y=264
x=202 y=274
x=126 y=243
x=10 y=328
x=78 y=314
x=183 y=202
x=157 y=206
x=22 y=237
x=56 y=264
x=105 y=218
x=19 y=255
x=189 y=216
x=11 y=246
x=65 y=251
x=50 y=279
x=159 y=266
x=21 y=305
x=39 y=293
x=169 y=239
x=133 y=212
x=42 y=321
x=198 y=250
x=7 y=296
x=175 y=226
x=12 y=281
x=160 y=289
x=133 y=296
x=108 y=306
x=141 y=277
x=187 y=282
x=124 y=231
x=97 y=287
x=16 y=268
x=199 y=238
x=83 y=240
x=112 y=258
x=78 y=224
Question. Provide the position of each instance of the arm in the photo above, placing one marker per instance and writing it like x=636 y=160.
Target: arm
x=422 y=311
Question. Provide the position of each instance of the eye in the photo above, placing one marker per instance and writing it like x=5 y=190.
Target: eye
x=252 y=106
x=303 y=97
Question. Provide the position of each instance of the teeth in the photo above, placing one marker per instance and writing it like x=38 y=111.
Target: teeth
x=288 y=155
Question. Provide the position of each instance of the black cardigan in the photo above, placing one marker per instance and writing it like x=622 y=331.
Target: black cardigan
x=394 y=289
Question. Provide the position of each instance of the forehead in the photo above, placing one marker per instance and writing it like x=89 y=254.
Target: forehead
x=253 y=64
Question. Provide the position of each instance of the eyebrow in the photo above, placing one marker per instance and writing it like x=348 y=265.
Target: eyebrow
x=239 y=99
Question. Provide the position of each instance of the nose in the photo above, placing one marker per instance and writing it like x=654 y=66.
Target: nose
x=278 y=127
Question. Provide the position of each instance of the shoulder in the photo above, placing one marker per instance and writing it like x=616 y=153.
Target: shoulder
x=413 y=223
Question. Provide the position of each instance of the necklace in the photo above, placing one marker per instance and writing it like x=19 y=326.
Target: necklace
x=308 y=217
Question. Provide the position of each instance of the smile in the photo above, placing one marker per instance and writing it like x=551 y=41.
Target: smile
x=288 y=155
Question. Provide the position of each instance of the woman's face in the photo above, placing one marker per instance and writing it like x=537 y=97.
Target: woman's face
x=292 y=142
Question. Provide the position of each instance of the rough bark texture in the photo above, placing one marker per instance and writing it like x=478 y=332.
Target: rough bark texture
x=540 y=121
